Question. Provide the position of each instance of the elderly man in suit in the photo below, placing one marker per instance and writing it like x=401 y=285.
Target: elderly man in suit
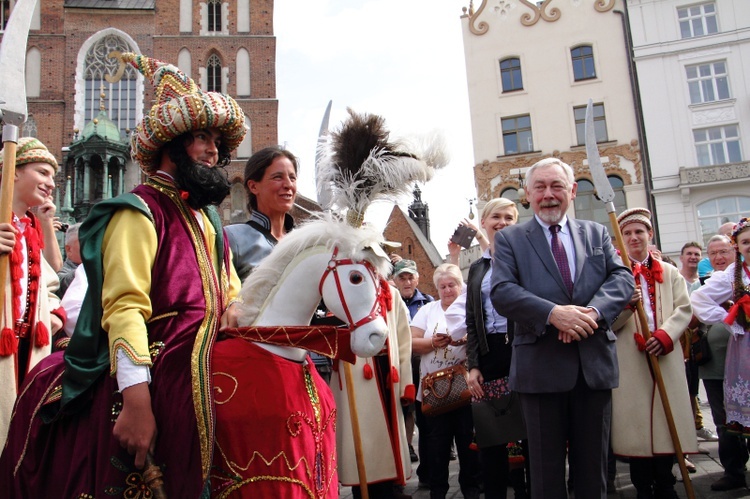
x=562 y=284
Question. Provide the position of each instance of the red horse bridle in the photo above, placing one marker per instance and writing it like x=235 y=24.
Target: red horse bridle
x=332 y=267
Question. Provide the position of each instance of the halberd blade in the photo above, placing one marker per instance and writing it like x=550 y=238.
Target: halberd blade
x=598 y=175
x=13 y=63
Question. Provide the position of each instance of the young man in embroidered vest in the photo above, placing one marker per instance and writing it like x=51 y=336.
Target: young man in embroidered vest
x=639 y=426
x=160 y=285
x=31 y=311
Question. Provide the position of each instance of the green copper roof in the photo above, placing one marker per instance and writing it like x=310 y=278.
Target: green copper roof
x=103 y=127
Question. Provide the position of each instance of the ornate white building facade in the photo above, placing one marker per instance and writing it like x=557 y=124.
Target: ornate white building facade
x=531 y=69
x=694 y=77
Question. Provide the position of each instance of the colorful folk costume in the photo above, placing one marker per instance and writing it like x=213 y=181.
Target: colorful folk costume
x=159 y=278
x=381 y=383
x=733 y=283
x=636 y=398
x=29 y=297
x=639 y=425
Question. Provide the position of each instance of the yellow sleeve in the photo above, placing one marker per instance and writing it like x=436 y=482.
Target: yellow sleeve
x=128 y=254
x=234 y=282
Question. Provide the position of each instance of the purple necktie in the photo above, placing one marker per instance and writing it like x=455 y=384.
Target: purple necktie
x=561 y=258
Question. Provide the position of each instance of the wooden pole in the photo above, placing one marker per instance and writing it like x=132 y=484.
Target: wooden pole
x=653 y=362
x=354 y=417
x=6 y=206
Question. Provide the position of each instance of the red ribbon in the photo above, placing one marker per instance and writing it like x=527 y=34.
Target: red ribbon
x=742 y=305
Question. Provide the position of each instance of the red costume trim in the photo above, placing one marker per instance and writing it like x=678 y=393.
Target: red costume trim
x=329 y=341
x=663 y=338
x=410 y=394
x=32 y=234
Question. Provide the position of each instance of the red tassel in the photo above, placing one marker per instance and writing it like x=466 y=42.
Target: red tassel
x=41 y=338
x=473 y=446
x=367 y=371
x=184 y=195
x=8 y=342
x=640 y=341
x=394 y=375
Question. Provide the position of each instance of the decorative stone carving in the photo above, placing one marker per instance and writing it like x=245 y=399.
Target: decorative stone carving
x=604 y=5
x=711 y=116
x=717 y=173
x=540 y=11
x=502 y=9
x=487 y=172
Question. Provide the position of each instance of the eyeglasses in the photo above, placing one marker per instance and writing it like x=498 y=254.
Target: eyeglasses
x=724 y=252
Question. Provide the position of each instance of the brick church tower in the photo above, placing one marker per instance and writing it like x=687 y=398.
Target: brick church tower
x=224 y=46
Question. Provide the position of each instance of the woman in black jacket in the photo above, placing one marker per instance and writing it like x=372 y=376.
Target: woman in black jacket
x=489 y=348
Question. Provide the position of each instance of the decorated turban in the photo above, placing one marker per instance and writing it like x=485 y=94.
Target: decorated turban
x=640 y=215
x=180 y=107
x=31 y=150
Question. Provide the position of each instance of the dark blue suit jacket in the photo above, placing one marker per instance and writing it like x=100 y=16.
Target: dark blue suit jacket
x=526 y=285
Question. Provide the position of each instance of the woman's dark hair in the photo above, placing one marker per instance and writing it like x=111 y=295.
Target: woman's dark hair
x=258 y=164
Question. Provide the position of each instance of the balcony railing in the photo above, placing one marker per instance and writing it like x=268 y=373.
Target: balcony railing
x=715 y=173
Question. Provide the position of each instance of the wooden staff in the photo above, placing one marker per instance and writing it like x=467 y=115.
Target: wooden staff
x=354 y=417
x=653 y=362
x=6 y=202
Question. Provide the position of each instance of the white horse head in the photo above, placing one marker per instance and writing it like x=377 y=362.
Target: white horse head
x=322 y=259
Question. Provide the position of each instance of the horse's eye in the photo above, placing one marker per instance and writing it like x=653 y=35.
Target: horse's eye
x=356 y=278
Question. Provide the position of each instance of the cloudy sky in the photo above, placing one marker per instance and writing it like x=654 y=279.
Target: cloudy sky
x=402 y=59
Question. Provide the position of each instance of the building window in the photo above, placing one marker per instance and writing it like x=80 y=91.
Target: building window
x=715 y=213
x=29 y=128
x=707 y=82
x=214 y=15
x=583 y=62
x=510 y=72
x=600 y=123
x=717 y=145
x=213 y=72
x=588 y=207
x=517 y=134
x=119 y=98
x=697 y=20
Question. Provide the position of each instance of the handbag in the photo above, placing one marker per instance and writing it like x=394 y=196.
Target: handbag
x=498 y=419
x=445 y=390
x=700 y=351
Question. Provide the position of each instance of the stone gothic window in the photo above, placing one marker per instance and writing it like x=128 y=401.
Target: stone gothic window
x=119 y=99
x=29 y=128
x=213 y=74
x=214 y=15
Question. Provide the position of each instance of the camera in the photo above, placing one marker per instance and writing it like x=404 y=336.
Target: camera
x=463 y=236
x=64 y=227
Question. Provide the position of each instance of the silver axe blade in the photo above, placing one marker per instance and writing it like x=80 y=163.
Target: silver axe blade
x=13 y=66
x=599 y=176
x=324 y=189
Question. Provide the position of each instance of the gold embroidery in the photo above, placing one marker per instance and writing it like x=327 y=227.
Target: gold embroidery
x=161 y=316
x=218 y=391
x=33 y=414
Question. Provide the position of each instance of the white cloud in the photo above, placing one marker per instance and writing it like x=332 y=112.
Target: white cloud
x=402 y=59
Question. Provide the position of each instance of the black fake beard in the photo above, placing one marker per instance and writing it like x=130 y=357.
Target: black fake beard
x=204 y=185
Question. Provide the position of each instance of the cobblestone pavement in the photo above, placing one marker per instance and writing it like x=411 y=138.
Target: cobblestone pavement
x=707 y=463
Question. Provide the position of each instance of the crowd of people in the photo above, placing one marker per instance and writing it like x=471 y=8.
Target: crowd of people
x=551 y=327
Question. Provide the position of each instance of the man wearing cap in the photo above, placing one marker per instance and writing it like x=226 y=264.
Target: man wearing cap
x=32 y=312
x=562 y=284
x=406 y=278
x=664 y=296
x=160 y=280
